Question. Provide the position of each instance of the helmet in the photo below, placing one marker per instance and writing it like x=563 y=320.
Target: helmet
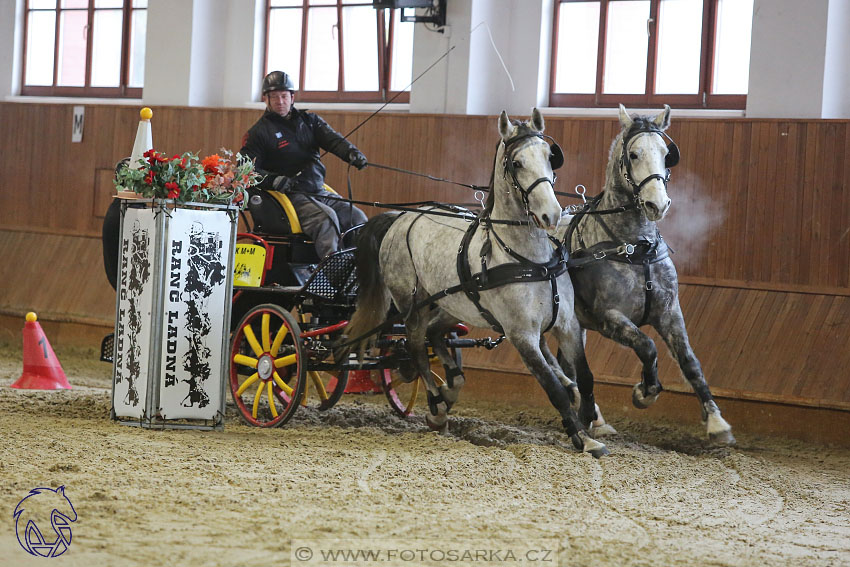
x=277 y=81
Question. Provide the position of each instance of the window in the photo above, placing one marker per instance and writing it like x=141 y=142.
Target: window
x=84 y=47
x=340 y=50
x=691 y=53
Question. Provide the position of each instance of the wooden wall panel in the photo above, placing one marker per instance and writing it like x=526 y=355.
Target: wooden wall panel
x=770 y=197
x=760 y=222
x=751 y=343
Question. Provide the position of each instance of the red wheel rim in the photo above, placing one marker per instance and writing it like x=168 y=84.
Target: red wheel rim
x=266 y=366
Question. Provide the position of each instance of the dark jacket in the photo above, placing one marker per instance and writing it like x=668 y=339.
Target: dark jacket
x=290 y=147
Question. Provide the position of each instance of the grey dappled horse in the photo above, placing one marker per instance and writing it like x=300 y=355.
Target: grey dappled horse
x=622 y=292
x=409 y=257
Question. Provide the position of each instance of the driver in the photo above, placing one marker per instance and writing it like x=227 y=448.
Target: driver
x=284 y=144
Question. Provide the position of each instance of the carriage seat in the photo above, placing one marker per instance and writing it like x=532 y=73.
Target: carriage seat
x=273 y=212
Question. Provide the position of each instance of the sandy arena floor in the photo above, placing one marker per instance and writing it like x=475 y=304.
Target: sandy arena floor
x=504 y=480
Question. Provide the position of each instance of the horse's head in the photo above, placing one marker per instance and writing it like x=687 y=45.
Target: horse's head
x=643 y=160
x=524 y=169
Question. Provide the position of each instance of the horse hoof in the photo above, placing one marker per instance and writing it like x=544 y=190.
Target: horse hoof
x=639 y=400
x=440 y=424
x=602 y=430
x=594 y=447
x=600 y=452
x=722 y=438
x=577 y=442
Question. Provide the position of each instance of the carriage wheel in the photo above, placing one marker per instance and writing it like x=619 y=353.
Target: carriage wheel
x=323 y=389
x=405 y=396
x=267 y=366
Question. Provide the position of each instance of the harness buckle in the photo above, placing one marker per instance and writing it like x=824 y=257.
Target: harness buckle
x=627 y=249
x=599 y=255
x=648 y=285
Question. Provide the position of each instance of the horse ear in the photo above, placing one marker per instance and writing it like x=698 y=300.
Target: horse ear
x=537 y=121
x=625 y=119
x=504 y=125
x=662 y=119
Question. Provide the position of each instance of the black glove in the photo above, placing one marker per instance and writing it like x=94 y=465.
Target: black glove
x=283 y=183
x=357 y=159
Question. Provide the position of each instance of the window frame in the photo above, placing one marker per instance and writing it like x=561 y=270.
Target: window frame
x=121 y=91
x=385 y=55
x=702 y=99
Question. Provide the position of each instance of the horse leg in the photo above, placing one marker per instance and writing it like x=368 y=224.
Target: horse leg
x=440 y=323
x=619 y=328
x=598 y=427
x=562 y=369
x=529 y=350
x=672 y=329
x=416 y=325
x=572 y=359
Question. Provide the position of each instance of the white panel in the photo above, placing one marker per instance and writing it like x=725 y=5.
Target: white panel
x=133 y=320
x=195 y=298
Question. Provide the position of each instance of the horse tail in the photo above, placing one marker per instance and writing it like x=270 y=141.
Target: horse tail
x=373 y=296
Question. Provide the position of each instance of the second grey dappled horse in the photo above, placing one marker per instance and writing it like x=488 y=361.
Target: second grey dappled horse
x=410 y=257
x=620 y=293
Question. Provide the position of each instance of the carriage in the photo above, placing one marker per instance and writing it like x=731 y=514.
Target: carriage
x=289 y=312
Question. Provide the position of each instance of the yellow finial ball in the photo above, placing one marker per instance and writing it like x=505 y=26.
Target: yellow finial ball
x=146 y=113
x=31 y=317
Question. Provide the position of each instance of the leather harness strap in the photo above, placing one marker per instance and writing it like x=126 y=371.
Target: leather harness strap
x=523 y=270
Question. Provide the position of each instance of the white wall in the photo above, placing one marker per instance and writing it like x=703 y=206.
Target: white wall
x=836 y=85
x=168 y=53
x=209 y=53
x=443 y=89
x=202 y=52
x=799 y=59
x=474 y=80
x=242 y=64
x=11 y=34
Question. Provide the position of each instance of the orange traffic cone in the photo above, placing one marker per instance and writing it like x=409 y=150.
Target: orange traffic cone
x=42 y=370
x=360 y=382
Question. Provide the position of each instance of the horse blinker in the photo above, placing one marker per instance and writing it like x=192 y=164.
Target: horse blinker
x=672 y=157
x=556 y=156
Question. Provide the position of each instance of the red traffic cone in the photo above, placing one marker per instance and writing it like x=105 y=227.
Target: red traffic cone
x=42 y=370
x=360 y=382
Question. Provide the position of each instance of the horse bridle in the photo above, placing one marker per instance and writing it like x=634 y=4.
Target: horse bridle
x=670 y=160
x=556 y=160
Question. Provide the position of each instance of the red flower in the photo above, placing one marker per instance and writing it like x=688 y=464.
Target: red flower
x=148 y=153
x=211 y=163
x=149 y=178
x=173 y=190
x=183 y=163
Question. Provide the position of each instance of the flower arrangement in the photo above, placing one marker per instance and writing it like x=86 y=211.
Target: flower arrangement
x=218 y=178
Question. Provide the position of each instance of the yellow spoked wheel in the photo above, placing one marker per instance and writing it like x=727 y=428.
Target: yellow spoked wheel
x=267 y=366
x=405 y=396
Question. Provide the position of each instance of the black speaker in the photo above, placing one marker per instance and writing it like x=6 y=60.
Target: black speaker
x=380 y=4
